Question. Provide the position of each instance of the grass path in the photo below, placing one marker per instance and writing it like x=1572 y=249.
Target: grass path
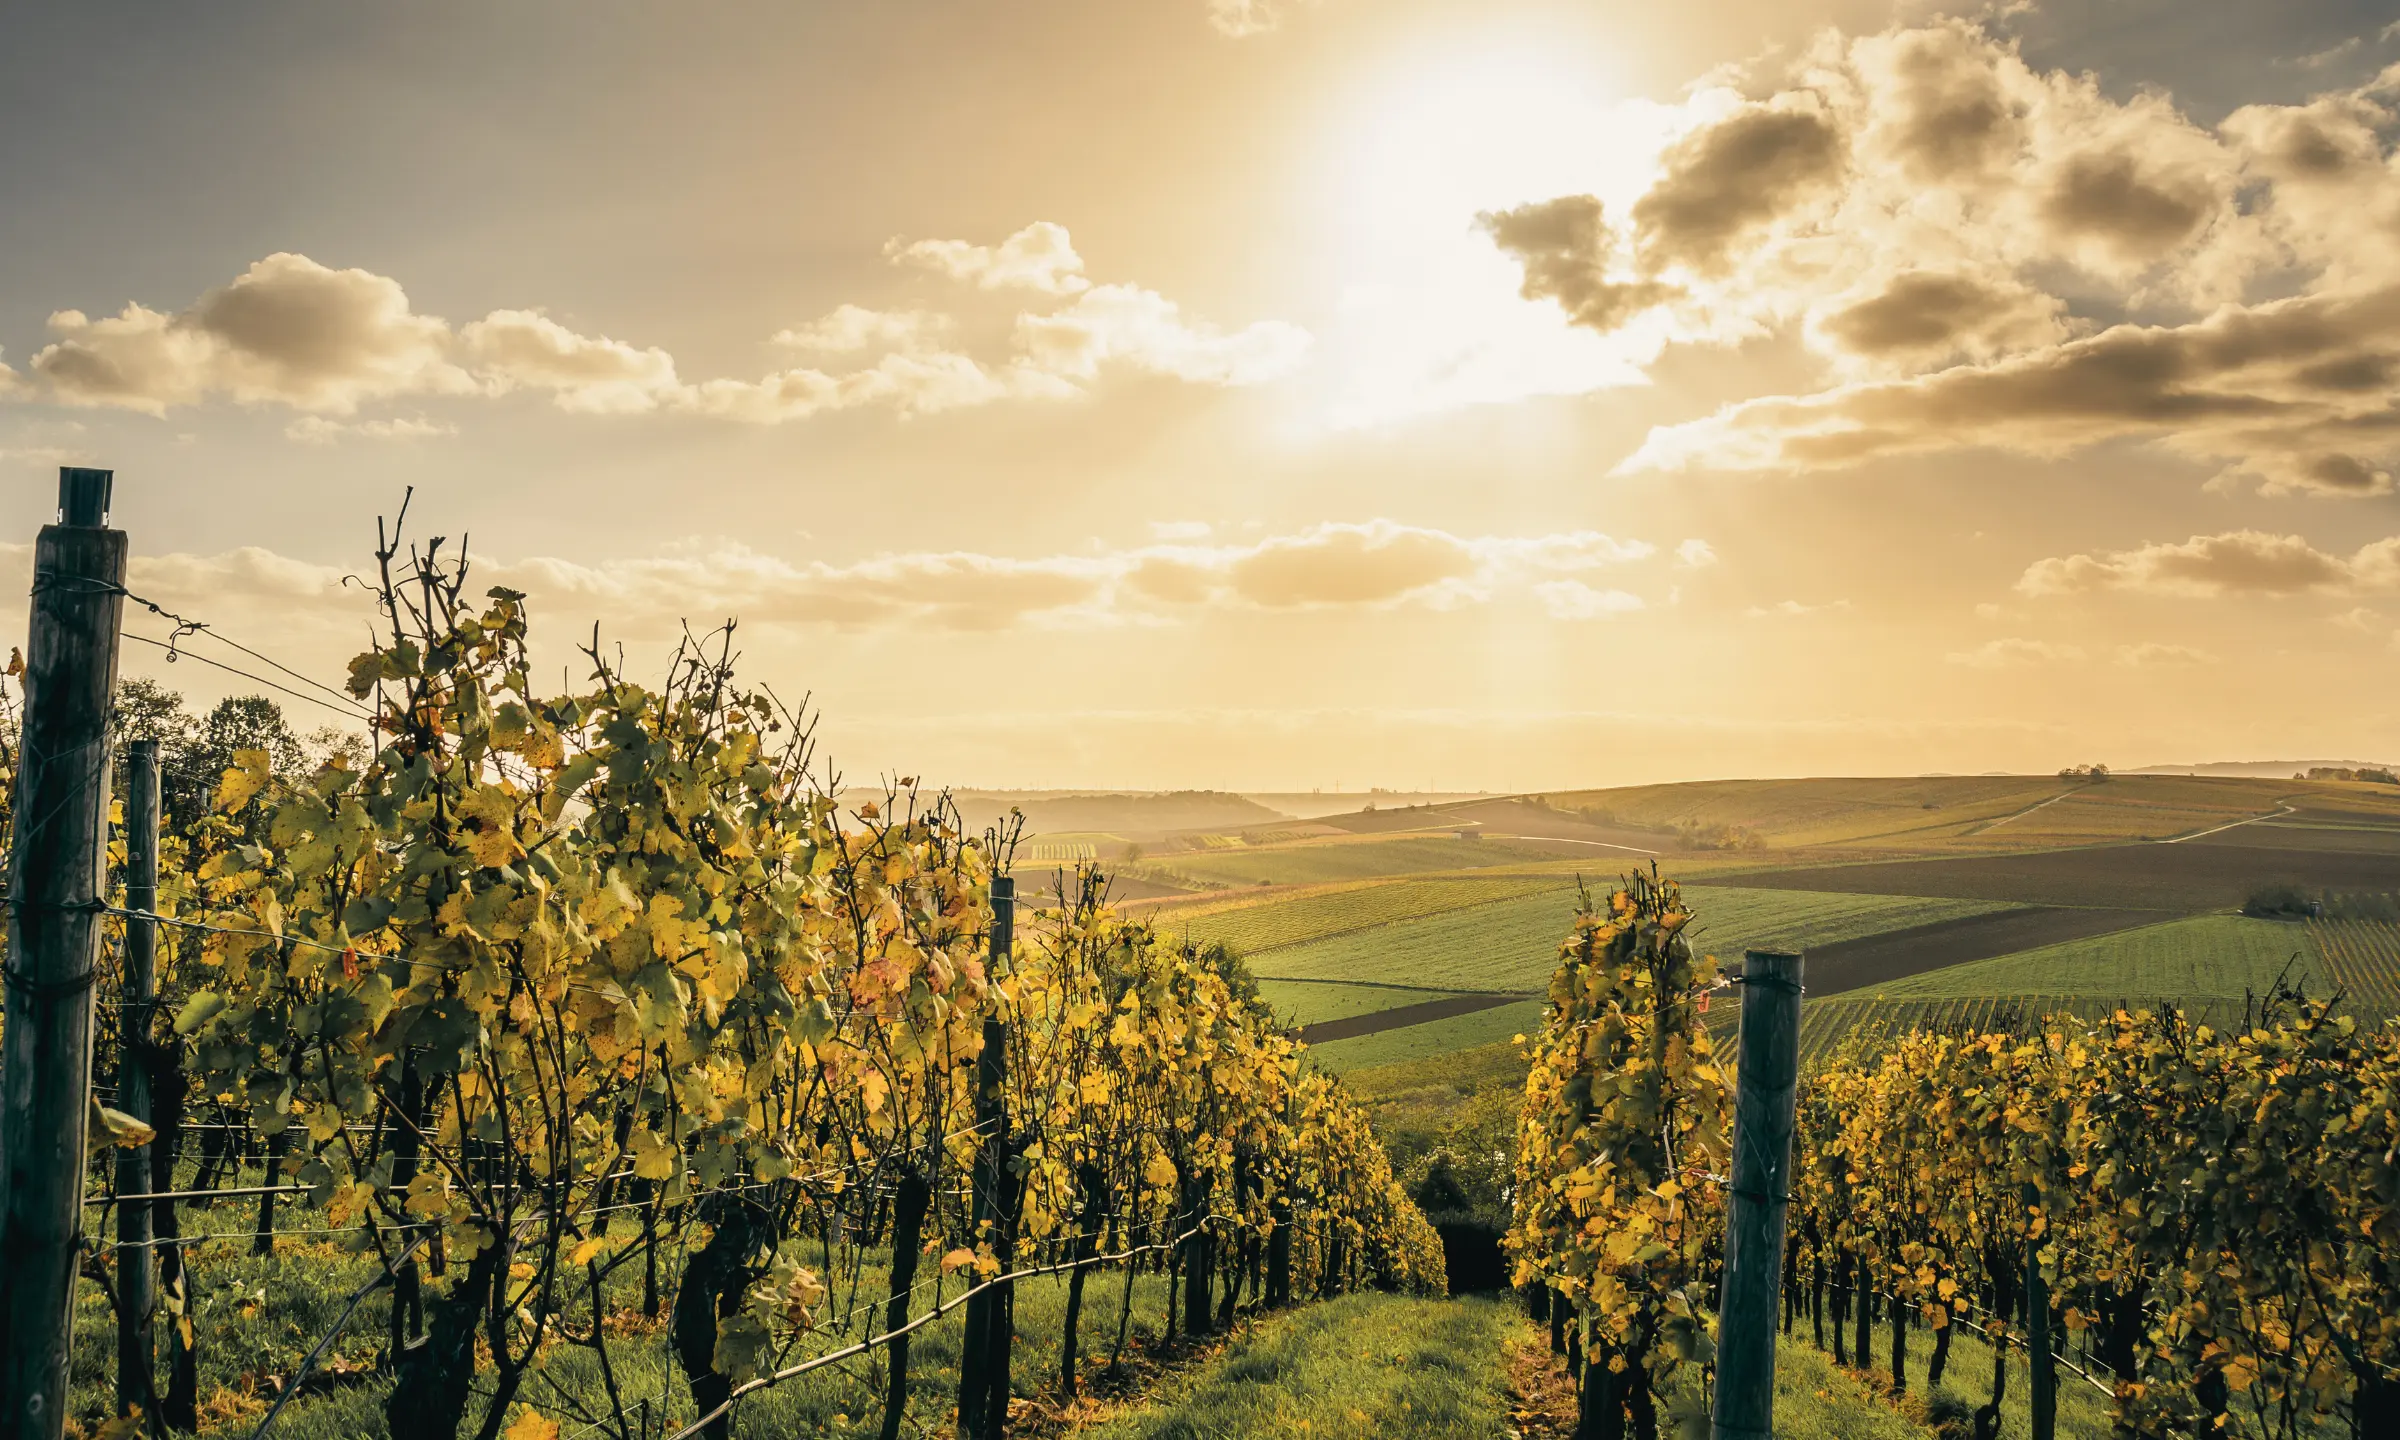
x=1364 y=1367
x=1387 y=1367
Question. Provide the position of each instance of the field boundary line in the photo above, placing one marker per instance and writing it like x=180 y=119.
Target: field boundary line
x=2221 y=829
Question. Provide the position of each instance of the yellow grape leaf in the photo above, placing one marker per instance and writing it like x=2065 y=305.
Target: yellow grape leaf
x=653 y=1158
x=588 y=1251
x=245 y=777
x=115 y=1127
x=531 y=1424
x=957 y=1259
x=874 y=1087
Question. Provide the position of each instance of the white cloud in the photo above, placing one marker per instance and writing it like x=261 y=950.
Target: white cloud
x=591 y=374
x=1795 y=608
x=1039 y=257
x=853 y=327
x=287 y=331
x=2236 y=562
x=1369 y=565
x=1144 y=329
x=2154 y=654
x=292 y=332
x=2013 y=652
x=1241 y=19
x=317 y=430
x=1574 y=600
x=1695 y=554
x=1987 y=254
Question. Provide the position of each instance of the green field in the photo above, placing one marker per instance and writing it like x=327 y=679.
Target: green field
x=1306 y=1002
x=1312 y=864
x=2181 y=960
x=1513 y=945
x=1272 y=924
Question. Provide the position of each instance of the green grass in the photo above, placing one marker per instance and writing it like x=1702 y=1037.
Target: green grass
x=256 y=1317
x=2082 y=1414
x=1275 y=924
x=1312 y=864
x=1512 y=945
x=1364 y=1367
x=1306 y=1002
x=1429 y=1040
x=2204 y=956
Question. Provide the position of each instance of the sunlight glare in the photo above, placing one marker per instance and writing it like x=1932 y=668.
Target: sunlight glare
x=1430 y=315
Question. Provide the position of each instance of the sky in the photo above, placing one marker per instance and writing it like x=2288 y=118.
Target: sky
x=1259 y=394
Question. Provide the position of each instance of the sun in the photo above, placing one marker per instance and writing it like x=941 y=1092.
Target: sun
x=1430 y=315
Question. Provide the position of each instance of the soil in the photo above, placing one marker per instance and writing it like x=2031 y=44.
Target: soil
x=1392 y=1019
x=2217 y=873
x=1877 y=959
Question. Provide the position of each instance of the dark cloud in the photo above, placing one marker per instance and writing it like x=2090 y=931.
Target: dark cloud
x=2238 y=562
x=1564 y=246
x=1950 y=119
x=1932 y=312
x=2139 y=214
x=2244 y=385
x=1726 y=180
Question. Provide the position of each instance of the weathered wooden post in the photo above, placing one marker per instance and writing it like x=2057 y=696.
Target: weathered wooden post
x=56 y=872
x=2037 y=1328
x=983 y=1379
x=1762 y=1163
x=136 y=1268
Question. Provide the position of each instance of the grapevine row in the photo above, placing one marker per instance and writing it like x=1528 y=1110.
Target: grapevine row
x=538 y=964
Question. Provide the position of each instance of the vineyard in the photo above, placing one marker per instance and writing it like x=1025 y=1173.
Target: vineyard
x=2199 y=1221
x=600 y=1073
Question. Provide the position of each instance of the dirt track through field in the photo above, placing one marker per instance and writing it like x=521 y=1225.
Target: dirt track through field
x=1897 y=954
x=1376 y=1023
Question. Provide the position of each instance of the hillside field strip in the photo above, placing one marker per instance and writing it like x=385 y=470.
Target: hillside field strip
x=1314 y=862
x=2363 y=958
x=1267 y=924
x=2212 y=966
x=1512 y=945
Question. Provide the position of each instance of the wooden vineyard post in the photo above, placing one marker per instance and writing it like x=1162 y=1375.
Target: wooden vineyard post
x=136 y=1268
x=2037 y=1328
x=56 y=876
x=983 y=1379
x=1766 y=1085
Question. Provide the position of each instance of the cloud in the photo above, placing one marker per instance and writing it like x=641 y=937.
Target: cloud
x=2296 y=391
x=1367 y=565
x=1726 y=181
x=1039 y=257
x=911 y=383
x=1574 y=600
x=1241 y=19
x=1986 y=254
x=1922 y=315
x=1695 y=554
x=317 y=430
x=2013 y=652
x=589 y=374
x=2154 y=655
x=1143 y=329
x=292 y=332
x=287 y=331
x=2237 y=562
x=1567 y=250
x=1796 y=609
x=846 y=328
